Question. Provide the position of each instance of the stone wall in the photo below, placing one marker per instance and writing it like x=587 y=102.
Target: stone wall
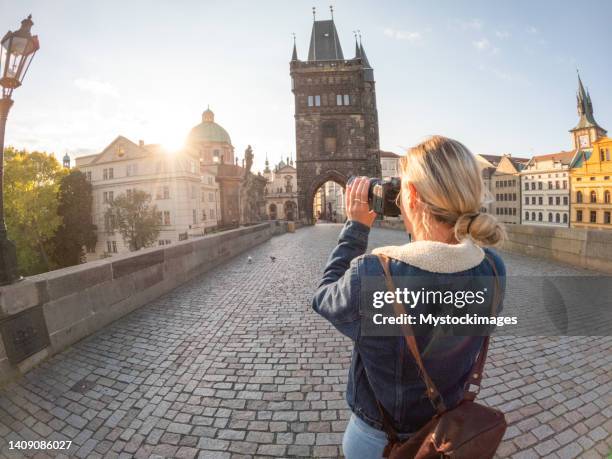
x=79 y=300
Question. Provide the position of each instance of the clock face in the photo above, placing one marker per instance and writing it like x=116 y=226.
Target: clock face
x=584 y=140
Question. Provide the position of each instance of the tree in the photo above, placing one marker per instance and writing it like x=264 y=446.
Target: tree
x=76 y=231
x=31 y=183
x=135 y=218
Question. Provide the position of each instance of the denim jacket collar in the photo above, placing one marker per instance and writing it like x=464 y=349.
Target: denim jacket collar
x=436 y=257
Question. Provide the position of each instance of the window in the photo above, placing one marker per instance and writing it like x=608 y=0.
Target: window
x=550 y=200
x=330 y=135
x=105 y=197
x=550 y=185
x=110 y=172
x=166 y=192
x=557 y=186
x=111 y=246
x=108 y=246
x=514 y=196
x=557 y=218
x=607 y=196
x=212 y=213
x=533 y=200
x=526 y=200
x=193 y=216
x=579 y=196
x=114 y=246
x=578 y=215
x=514 y=211
x=526 y=186
x=607 y=154
x=104 y=174
x=311 y=101
x=564 y=218
x=317 y=101
x=166 y=217
x=533 y=217
x=533 y=185
x=565 y=200
x=131 y=169
x=540 y=185
x=527 y=216
x=338 y=99
x=607 y=218
x=593 y=218
x=211 y=197
x=593 y=196
x=347 y=99
x=540 y=216
x=550 y=217
x=88 y=175
x=558 y=200
x=602 y=156
x=565 y=184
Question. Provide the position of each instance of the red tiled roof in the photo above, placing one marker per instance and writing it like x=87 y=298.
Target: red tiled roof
x=564 y=156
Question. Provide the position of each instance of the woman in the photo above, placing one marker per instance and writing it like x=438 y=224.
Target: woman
x=440 y=199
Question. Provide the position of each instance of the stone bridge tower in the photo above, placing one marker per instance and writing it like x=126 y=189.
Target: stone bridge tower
x=336 y=121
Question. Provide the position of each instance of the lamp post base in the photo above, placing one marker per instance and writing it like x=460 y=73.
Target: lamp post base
x=8 y=262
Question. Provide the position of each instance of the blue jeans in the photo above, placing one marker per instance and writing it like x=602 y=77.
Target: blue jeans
x=362 y=441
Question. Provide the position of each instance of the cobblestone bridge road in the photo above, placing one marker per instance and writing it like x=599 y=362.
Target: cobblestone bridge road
x=235 y=364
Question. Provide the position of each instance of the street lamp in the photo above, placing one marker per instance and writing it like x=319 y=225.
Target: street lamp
x=16 y=52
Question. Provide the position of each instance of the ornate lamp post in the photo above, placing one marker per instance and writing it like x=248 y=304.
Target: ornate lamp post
x=16 y=52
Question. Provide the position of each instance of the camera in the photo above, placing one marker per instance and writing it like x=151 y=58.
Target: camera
x=382 y=195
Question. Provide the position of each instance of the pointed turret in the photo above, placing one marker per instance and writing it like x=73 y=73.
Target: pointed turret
x=357 y=49
x=294 y=56
x=267 y=168
x=368 y=71
x=587 y=130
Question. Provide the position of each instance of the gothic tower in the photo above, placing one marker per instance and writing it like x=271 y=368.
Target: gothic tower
x=336 y=121
x=587 y=130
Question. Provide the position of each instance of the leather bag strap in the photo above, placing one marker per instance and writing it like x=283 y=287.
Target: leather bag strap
x=432 y=391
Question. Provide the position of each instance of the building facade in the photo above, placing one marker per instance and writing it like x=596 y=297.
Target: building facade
x=281 y=191
x=506 y=190
x=186 y=198
x=545 y=185
x=592 y=186
x=336 y=119
x=389 y=164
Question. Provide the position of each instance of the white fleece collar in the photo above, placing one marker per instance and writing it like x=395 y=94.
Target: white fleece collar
x=436 y=257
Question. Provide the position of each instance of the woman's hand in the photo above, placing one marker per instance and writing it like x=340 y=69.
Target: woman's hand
x=357 y=207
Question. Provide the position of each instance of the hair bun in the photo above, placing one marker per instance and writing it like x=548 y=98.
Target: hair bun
x=483 y=228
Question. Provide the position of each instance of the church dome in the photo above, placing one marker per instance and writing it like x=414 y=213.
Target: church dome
x=208 y=130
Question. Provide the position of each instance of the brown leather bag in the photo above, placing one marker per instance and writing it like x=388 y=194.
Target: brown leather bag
x=469 y=430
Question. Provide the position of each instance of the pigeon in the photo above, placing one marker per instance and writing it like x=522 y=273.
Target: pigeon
x=249 y=259
x=272 y=258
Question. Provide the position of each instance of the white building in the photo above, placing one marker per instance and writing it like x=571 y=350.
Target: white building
x=185 y=195
x=545 y=190
x=389 y=164
x=281 y=191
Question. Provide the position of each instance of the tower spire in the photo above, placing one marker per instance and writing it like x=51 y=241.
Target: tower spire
x=357 y=48
x=294 y=56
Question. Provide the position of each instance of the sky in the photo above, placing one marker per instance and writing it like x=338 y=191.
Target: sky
x=498 y=76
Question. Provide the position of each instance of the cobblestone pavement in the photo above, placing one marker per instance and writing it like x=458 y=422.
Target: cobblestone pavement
x=235 y=364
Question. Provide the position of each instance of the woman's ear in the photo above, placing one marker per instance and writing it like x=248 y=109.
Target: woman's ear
x=413 y=196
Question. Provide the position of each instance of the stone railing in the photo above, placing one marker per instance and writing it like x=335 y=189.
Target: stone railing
x=44 y=314
x=591 y=249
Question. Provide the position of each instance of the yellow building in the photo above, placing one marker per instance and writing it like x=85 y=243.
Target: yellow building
x=591 y=186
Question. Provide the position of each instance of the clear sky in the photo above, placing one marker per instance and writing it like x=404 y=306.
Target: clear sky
x=499 y=76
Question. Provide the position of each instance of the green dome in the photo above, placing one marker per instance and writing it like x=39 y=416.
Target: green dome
x=208 y=130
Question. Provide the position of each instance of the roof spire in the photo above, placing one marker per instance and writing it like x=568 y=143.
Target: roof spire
x=357 y=49
x=331 y=10
x=314 y=13
x=585 y=107
x=294 y=56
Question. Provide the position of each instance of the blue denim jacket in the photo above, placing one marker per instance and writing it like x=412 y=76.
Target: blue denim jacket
x=392 y=375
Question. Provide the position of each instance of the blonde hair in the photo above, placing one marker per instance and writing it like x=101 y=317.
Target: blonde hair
x=449 y=183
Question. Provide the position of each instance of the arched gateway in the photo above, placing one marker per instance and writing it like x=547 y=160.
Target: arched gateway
x=336 y=120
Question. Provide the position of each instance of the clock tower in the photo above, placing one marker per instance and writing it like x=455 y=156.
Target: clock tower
x=587 y=130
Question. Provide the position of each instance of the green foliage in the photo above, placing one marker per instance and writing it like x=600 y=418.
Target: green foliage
x=135 y=218
x=31 y=183
x=76 y=231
